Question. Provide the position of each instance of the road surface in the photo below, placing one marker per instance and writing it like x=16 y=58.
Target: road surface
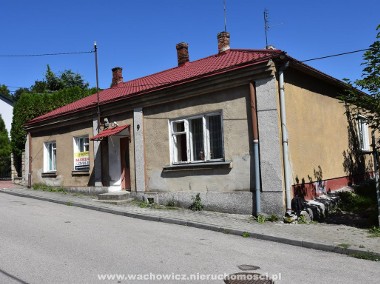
x=42 y=242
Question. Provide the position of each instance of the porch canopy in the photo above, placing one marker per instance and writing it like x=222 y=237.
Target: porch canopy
x=110 y=132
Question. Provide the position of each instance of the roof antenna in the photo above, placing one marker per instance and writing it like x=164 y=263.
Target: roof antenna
x=225 y=17
x=266 y=26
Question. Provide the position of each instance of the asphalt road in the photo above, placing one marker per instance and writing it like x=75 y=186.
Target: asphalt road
x=42 y=242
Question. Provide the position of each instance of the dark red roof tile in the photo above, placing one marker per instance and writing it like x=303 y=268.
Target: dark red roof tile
x=205 y=67
x=109 y=132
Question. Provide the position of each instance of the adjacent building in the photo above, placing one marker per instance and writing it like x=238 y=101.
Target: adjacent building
x=6 y=111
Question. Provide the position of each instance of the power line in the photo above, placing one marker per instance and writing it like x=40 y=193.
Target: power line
x=335 y=55
x=46 y=54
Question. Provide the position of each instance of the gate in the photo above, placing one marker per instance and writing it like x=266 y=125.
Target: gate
x=5 y=168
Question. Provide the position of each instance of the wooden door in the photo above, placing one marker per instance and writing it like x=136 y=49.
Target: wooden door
x=125 y=165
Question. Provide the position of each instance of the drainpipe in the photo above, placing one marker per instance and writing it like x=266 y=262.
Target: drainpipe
x=255 y=134
x=285 y=150
x=30 y=161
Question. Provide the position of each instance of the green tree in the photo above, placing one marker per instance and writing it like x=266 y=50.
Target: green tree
x=359 y=102
x=31 y=105
x=5 y=151
x=5 y=92
x=53 y=82
x=17 y=94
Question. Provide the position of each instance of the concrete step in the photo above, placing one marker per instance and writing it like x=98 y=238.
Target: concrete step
x=116 y=202
x=114 y=196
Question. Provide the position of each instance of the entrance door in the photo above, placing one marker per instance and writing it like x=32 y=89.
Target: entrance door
x=125 y=167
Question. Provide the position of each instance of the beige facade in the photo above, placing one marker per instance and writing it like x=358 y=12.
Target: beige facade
x=232 y=105
x=65 y=174
x=171 y=152
x=322 y=137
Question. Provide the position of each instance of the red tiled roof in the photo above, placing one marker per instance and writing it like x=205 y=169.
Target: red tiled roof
x=110 y=132
x=191 y=71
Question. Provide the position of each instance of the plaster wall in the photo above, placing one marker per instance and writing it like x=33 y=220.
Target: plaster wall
x=318 y=129
x=6 y=111
x=233 y=104
x=64 y=138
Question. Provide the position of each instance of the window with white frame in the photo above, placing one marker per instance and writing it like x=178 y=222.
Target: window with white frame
x=81 y=154
x=363 y=133
x=196 y=139
x=50 y=153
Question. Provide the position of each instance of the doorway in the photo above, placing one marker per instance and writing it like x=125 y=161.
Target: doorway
x=125 y=165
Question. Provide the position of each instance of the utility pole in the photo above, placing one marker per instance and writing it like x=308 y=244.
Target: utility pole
x=97 y=145
x=97 y=84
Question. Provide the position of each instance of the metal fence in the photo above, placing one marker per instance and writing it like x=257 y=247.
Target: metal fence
x=5 y=168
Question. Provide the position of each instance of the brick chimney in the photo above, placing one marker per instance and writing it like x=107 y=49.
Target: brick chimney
x=223 y=41
x=182 y=53
x=117 y=76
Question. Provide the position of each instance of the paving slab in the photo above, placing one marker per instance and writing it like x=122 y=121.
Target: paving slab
x=327 y=237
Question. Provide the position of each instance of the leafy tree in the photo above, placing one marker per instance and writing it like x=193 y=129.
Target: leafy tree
x=17 y=94
x=5 y=92
x=44 y=96
x=5 y=150
x=31 y=105
x=360 y=103
x=52 y=82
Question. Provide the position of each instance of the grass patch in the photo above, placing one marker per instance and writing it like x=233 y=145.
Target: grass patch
x=365 y=255
x=197 y=203
x=362 y=201
x=343 y=245
x=374 y=232
x=246 y=235
x=44 y=187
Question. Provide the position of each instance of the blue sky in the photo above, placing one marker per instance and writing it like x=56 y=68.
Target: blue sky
x=140 y=35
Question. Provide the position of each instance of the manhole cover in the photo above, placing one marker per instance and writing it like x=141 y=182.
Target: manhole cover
x=246 y=267
x=247 y=278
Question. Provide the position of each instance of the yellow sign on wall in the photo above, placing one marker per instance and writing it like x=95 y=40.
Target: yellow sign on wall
x=82 y=161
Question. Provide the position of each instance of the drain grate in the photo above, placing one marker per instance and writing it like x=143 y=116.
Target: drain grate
x=247 y=278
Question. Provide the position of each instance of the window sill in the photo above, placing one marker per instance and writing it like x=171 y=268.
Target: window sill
x=364 y=151
x=198 y=166
x=49 y=175
x=80 y=173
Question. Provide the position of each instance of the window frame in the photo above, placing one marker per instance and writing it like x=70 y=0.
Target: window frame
x=48 y=156
x=76 y=149
x=363 y=133
x=189 y=136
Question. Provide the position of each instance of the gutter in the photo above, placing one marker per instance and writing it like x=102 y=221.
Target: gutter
x=285 y=149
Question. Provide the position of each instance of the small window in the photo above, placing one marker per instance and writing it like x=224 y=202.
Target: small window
x=363 y=133
x=197 y=139
x=81 y=154
x=50 y=153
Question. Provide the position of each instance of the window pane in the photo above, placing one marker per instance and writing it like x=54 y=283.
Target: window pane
x=179 y=126
x=181 y=148
x=215 y=130
x=51 y=154
x=197 y=135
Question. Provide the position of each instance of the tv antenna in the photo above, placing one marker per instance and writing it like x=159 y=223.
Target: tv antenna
x=225 y=16
x=266 y=26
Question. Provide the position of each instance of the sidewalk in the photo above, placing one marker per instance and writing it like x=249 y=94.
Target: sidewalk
x=326 y=237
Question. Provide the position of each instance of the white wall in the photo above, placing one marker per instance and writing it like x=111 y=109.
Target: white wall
x=6 y=111
x=114 y=163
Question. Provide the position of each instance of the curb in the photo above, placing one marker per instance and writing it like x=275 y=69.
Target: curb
x=225 y=230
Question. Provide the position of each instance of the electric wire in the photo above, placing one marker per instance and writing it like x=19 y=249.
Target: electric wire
x=335 y=55
x=46 y=54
